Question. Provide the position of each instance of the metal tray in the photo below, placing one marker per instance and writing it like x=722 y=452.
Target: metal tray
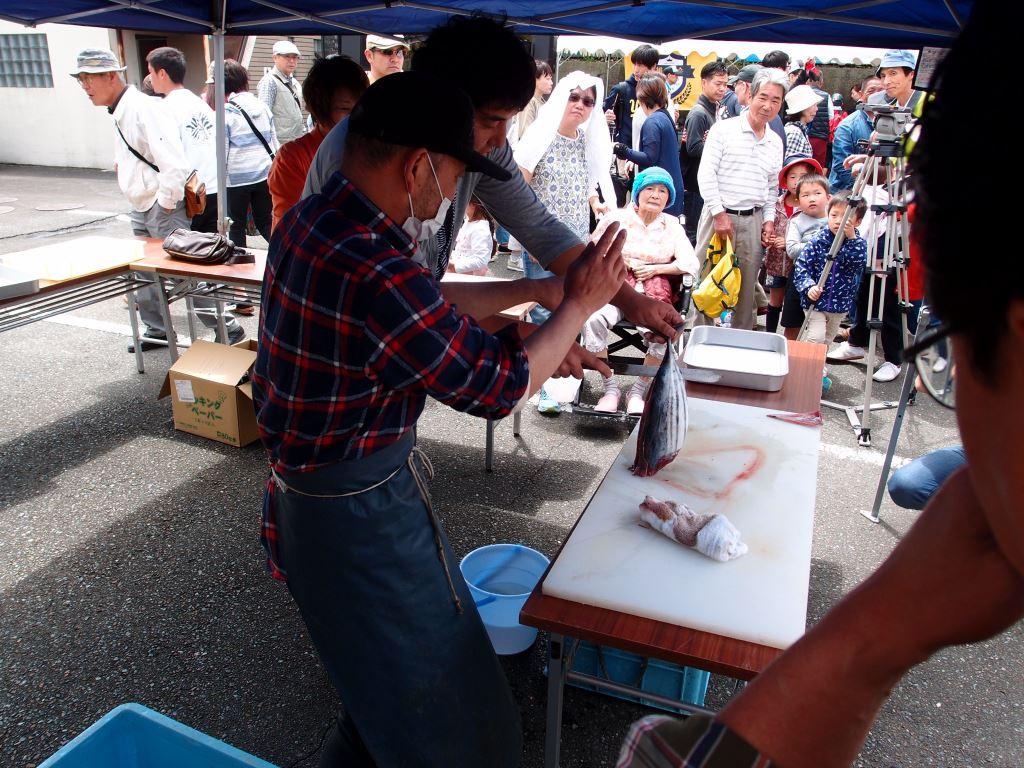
x=746 y=359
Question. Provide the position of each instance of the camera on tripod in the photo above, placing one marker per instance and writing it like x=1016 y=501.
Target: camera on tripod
x=891 y=122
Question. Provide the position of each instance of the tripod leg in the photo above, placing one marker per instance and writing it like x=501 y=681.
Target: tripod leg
x=905 y=393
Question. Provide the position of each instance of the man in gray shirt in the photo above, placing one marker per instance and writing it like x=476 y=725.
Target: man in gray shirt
x=498 y=93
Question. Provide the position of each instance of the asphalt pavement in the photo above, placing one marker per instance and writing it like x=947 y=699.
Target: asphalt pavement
x=130 y=568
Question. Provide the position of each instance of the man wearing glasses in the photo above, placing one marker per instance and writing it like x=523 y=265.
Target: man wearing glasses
x=385 y=55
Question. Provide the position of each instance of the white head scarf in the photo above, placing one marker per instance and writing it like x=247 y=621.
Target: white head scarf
x=538 y=137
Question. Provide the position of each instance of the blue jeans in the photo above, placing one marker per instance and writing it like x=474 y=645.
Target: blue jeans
x=501 y=235
x=912 y=486
x=535 y=271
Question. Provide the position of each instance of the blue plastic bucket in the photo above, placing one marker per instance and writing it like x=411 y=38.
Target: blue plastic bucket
x=500 y=578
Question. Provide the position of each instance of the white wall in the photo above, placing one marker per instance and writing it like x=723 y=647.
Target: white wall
x=57 y=126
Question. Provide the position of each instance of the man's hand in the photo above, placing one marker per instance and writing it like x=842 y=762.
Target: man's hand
x=723 y=225
x=167 y=210
x=659 y=317
x=767 y=233
x=598 y=273
x=609 y=117
x=577 y=360
x=814 y=293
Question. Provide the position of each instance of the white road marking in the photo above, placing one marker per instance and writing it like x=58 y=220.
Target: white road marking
x=864 y=455
x=122 y=329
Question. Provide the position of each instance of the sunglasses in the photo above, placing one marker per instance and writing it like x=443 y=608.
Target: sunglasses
x=932 y=357
x=587 y=101
x=396 y=51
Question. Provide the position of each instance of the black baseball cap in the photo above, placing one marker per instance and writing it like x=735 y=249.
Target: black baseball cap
x=414 y=109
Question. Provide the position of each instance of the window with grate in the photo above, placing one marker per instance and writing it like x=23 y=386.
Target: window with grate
x=25 y=62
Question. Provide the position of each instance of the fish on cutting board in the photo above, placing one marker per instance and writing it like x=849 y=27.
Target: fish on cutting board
x=710 y=534
x=663 y=423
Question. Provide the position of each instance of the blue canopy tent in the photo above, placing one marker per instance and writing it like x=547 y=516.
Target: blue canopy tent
x=878 y=23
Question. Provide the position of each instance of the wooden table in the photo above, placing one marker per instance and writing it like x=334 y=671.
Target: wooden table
x=225 y=283
x=74 y=274
x=648 y=637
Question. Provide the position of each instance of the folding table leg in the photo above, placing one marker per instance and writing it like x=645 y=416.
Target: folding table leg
x=165 y=308
x=556 y=685
x=222 y=328
x=133 y=318
x=190 y=313
x=517 y=420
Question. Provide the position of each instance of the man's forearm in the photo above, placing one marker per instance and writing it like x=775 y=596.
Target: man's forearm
x=814 y=706
x=483 y=298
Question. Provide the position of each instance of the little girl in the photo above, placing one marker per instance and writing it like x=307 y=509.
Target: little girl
x=777 y=263
x=474 y=245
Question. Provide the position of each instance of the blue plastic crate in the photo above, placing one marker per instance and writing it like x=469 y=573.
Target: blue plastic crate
x=134 y=736
x=661 y=677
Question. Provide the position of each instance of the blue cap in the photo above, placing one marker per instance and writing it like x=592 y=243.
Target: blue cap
x=906 y=59
x=650 y=176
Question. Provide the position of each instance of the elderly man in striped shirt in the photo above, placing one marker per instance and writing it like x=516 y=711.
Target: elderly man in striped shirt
x=738 y=180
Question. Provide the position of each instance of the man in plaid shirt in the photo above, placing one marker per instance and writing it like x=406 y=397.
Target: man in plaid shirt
x=354 y=336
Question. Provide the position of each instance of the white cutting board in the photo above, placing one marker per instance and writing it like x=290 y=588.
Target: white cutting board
x=759 y=472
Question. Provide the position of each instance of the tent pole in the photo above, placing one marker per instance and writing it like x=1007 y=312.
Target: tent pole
x=222 y=143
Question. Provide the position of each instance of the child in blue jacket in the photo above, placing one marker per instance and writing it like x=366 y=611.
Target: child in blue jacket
x=827 y=305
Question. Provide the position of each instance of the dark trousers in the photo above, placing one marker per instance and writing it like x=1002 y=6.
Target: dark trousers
x=693 y=204
x=207 y=220
x=419 y=681
x=239 y=200
x=892 y=326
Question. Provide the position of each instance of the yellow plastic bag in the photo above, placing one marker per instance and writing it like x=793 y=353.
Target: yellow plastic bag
x=719 y=287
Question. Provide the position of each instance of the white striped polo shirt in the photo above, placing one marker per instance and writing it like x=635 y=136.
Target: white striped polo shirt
x=738 y=170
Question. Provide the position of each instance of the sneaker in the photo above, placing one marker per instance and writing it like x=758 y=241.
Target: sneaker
x=847 y=351
x=609 y=402
x=149 y=340
x=826 y=384
x=635 y=400
x=548 y=405
x=236 y=336
x=886 y=372
x=939 y=365
x=515 y=261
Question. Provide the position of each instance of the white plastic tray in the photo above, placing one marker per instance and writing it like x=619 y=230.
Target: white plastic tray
x=746 y=359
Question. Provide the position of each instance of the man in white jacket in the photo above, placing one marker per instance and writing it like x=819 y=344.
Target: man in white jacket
x=195 y=122
x=150 y=163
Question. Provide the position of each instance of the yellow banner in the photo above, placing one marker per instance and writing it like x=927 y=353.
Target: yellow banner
x=684 y=85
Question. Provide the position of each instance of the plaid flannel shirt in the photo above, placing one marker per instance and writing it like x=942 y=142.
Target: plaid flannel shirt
x=698 y=741
x=354 y=336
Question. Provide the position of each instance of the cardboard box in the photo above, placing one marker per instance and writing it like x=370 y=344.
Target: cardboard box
x=211 y=395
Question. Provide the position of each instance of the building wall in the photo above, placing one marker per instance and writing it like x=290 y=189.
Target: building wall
x=57 y=126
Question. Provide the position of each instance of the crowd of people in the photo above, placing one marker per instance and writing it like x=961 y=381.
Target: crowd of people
x=357 y=331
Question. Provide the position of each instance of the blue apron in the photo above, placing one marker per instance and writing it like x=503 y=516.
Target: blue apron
x=387 y=608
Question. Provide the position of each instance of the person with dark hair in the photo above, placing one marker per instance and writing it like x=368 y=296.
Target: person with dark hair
x=331 y=89
x=776 y=60
x=861 y=91
x=659 y=144
x=544 y=85
x=737 y=98
x=355 y=336
x=957 y=576
x=252 y=142
x=279 y=90
x=498 y=92
x=621 y=103
x=195 y=122
x=713 y=86
x=853 y=129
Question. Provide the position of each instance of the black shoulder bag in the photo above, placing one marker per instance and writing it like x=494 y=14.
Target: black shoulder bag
x=256 y=131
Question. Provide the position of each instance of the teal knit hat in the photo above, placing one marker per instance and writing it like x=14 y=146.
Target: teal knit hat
x=654 y=175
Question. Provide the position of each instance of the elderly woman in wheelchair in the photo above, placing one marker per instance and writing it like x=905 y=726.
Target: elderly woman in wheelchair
x=657 y=253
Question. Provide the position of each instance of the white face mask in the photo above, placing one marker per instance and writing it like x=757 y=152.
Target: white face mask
x=424 y=231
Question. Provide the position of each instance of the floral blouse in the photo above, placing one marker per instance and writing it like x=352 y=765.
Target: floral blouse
x=560 y=181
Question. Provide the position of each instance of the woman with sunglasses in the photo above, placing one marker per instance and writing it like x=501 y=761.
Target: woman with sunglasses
x=659 y=142
x=565 y=156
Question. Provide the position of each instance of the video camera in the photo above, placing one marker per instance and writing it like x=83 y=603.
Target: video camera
x=891 y=122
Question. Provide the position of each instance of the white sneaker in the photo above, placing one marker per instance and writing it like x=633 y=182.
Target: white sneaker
x=515 y=261
x=847 y=351
x=939 y=365
x=886 y=372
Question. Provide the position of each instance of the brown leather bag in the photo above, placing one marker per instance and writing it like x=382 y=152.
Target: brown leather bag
x=195 y=195
x=204 y=248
